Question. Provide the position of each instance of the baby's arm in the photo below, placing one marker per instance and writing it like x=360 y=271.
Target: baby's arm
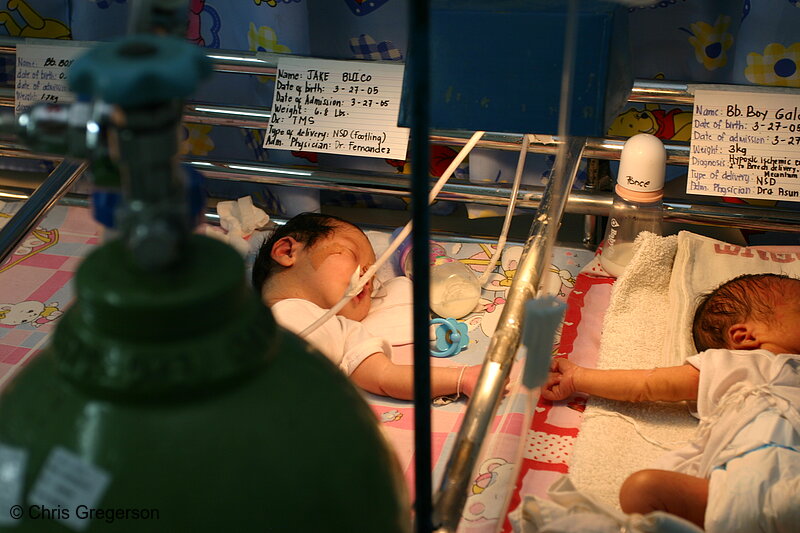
x=378 y=375
x=672 y=383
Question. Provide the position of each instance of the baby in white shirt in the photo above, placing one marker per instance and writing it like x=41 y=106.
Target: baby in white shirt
x=304 y=269
x=741 y=473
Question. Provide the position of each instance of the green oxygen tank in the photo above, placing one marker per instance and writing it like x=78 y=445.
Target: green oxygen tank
x=168 y=399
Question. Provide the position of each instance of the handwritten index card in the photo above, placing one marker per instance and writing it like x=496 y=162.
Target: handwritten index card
x=42 y=74
x=337 y=107
x=745 y=144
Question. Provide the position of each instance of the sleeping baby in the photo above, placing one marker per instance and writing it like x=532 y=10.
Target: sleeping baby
x=741 y=472
x=304 y=269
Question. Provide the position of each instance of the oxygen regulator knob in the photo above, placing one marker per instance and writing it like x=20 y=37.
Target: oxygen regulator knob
x=140 y=70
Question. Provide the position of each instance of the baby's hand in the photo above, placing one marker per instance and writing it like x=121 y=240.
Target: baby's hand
x=561 y=381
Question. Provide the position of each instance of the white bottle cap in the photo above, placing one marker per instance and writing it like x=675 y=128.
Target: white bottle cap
x=642 y=165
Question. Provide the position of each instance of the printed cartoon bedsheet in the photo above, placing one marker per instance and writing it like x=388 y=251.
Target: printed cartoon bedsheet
x=555 y=426
x=35 y=279
x=35 y=288
x=497 y=468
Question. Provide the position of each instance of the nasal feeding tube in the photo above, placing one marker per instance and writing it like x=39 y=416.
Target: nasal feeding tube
x=355 y=288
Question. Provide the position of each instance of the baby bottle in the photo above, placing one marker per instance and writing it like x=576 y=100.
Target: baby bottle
x=637 y=200
x=455 y=289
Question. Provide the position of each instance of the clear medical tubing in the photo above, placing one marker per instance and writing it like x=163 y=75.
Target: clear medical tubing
x=455 y=290
x=512 y=202
x=405 y=232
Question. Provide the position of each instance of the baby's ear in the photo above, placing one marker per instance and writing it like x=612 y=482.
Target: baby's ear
x=284 y=251
x=743 y=337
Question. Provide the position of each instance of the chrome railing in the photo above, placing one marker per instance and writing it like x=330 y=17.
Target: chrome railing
x=46 y=195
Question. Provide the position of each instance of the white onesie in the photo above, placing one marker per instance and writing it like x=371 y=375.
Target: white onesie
x=748 y=441
x=345 y=342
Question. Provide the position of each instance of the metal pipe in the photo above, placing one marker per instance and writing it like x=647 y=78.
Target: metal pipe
x=589 y=231
x=22 y=152
x=590 y=204
x=752 y=218
x=45 y=196
x=266 y=64
x=258 y=118
x=599 y=148
x=218 y=115
x=505 y=341
x=388 y=184
x=580 y=202
x=596 y=147
x=659 y=91
x=233 y=61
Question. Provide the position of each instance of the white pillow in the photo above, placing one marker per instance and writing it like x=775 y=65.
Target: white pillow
x=701 y=265
x=391 y=314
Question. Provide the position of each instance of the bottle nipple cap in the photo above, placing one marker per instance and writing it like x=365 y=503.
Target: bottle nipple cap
x=642 y=164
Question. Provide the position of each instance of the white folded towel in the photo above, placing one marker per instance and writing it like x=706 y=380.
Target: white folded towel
x=617 y=438
x=635 y=324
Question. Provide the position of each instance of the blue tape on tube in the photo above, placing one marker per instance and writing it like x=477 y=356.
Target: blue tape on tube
x=542 y=318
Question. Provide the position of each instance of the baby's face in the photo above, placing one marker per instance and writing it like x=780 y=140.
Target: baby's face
x=333 y=260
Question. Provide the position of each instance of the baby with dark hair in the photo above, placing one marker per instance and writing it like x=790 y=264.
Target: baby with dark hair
x=304 y=269
x=750 y=295
x=741 y=472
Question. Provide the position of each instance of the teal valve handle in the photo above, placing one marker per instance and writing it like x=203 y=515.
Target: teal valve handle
x=140 y=70
x=542 y=318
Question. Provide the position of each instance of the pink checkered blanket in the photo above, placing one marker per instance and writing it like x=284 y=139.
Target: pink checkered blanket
x=35 y=281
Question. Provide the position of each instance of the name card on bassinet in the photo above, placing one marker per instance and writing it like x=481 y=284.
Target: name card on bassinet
x=745 y=144
x=42 y=74
x=337 y=107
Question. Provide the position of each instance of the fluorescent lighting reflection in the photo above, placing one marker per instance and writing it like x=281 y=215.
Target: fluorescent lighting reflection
x=218 y=111
x=13 y=196
x=270 y=170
